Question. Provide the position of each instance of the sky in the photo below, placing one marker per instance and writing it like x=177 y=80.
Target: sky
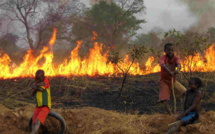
x=164 y=14
x=167 y=14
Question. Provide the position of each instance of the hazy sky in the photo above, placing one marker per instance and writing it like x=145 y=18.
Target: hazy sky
x=165 y=14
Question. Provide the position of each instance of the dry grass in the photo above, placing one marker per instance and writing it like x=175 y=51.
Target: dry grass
x=91 y=120
x=98 y=121
x=15 y=94
x=206 y=77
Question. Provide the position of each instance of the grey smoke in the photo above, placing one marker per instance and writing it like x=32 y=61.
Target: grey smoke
x=205 y=10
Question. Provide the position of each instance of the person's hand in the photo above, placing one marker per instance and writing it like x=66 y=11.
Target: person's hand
x=172 y=74
x=176 y=71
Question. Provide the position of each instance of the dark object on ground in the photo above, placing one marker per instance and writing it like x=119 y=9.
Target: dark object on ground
x=55 y=115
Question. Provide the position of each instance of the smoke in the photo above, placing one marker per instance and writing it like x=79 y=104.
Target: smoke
x=205 y=10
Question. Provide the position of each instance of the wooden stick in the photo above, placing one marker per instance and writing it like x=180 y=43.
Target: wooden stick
x=173 y=92
x=172 y=123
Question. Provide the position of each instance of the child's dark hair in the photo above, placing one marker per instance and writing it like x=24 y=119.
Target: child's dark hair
x=197 y=81
x=40 y=72
x=167 y=45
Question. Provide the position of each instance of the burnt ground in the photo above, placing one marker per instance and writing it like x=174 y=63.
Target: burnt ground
x=140 y=93
x=138 y=96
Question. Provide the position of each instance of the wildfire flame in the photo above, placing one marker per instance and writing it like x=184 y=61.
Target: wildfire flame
x=94 y=64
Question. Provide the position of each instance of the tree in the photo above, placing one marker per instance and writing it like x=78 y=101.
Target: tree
x=24 y=12
x=8 y=43
x=155 y=40
x=8 y=46
x=136 y=53
x=211 y=34
x=143 y=39
x=151 y=41
x=37 y=17
x=113 y=22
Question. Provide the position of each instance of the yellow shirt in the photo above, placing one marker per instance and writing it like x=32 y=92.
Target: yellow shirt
x=44 y=98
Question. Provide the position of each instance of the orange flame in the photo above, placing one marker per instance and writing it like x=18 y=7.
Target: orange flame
x=94 y=36
x=94 y=64
x=53 y=39
x=197 y=63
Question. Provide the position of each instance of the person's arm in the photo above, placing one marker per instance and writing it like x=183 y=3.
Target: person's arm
x=167 y=69
x=34 y=87
x=163 y=65
x=33 y=92
x=196 y=101
x=41 y=89
x=40 y=86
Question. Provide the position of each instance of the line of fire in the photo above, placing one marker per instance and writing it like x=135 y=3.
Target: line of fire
x=93 y=64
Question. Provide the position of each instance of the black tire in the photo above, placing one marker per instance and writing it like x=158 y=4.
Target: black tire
x=55 y=115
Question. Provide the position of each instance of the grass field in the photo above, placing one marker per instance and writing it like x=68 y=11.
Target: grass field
x=89 y=105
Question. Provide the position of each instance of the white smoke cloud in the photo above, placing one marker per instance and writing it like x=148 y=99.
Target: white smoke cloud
x=205 y=10
x=167 y=14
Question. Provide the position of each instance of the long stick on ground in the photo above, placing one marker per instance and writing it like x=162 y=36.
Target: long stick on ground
x=173 y=92
x=172 y=123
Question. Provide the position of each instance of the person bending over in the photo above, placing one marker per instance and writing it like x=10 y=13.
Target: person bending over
x=168 y=63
